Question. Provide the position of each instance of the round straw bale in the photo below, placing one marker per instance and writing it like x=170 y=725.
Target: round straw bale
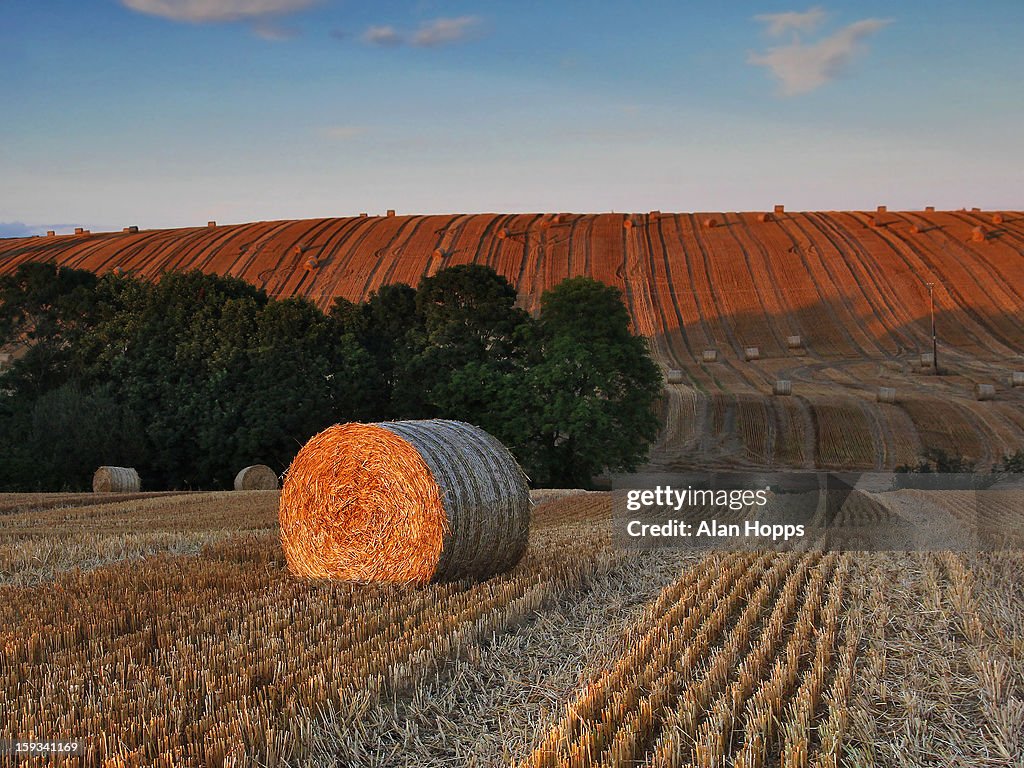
x=710 y=222
x=675 y=376
x=502 y=233
x=404 y=501
x=783 y=387
x=997 y=218
x=709 y=355
x=627 y=223
x=984 y=391
x=978 y=234
x=258 y=477
x=116 y=480
x=886 y=395
x=794 y=342
x=1017 y=379
x=751 y=353
x=764 y=216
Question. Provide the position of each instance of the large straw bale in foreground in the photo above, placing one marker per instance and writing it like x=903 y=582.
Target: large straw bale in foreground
x=116 y=480
x=404 y=501
x=258 y=477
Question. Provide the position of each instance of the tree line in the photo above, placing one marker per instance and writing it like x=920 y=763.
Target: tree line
x=190 y=378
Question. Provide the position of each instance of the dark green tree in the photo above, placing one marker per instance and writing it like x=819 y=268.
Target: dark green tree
x=592 y=389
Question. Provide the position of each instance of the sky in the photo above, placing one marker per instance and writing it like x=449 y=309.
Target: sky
x=165 y=113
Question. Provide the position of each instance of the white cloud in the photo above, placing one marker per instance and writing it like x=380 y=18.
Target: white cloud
x=383 y=36
x=203 y=11
x=343 y=132
x=445 y=31
x=780 y=23
x=803 y=67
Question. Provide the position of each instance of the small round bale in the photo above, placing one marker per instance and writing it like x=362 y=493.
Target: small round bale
x=675 y=376
x=627 y=223
x=502 y=233
x=765 y=216
x=783 y=388
x=751 y=353
x=258 y=477
x=116 y=480
x=1017 y=379
x=978 y=234
x=927 y=360
x=404 y=501
x=984 y=391
x=709 y=355
x=886 y=395
x=794 y=342
x=780 y=208
x=711 y=222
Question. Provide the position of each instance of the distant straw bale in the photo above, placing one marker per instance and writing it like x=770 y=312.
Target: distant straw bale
x=710 y=222
x=997 y=218
x=765 y=216
x=709 y=355
x=116 y=480
x=258 y=477
x=751 y=353
x=978 y=234
x=405 y=501
x=783 y=388
x=985 y=391
x=886 y=395
x=780 y=208
x=675 y=376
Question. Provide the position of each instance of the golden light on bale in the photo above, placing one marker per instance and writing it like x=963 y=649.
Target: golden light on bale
x=404 y=501
x=764 y=216
x=502 y=233
x=312 y=263
x=710 y=222
x=116 y=480
x=627 y=223
x=780 y=208
x=978 y=234
x=390 y=213
x=258 y=477
x=675 y=376
x=881 y=209
x=997 y=218
x=929 y=209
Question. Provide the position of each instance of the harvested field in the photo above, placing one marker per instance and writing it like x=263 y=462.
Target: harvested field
x=583 y=655
x=854 y=294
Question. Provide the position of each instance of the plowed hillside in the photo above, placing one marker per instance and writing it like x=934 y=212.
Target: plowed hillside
x=850 y=285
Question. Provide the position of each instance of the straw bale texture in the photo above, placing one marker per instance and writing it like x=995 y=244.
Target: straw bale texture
x=886 y=395
x=116 y=480
x=405 y=501
x=783 y=387
x=1017 y=379
x=984 y=391
x=675 y=376
x=258 y=477
x=794 y=342
x=709 y=355
x=751 y=353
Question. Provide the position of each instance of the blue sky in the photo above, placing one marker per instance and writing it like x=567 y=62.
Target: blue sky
x=173 y=112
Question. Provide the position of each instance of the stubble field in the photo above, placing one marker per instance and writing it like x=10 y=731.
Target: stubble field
x=168 y=632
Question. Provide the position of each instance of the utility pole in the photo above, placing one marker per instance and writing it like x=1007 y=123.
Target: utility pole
x=935 y=344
